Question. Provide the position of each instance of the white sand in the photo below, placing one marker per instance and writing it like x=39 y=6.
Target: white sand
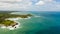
x=14 y=19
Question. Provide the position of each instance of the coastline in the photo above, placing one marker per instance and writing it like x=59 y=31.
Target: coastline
x=10 y=27
x=15 y=20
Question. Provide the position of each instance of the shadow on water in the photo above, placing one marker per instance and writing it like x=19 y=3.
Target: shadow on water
x=51 y=30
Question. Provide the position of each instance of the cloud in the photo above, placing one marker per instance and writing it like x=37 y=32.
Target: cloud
x=40 y=3
x=14 y=4
x=10 y=0
x=29 y=5
x=48 y=0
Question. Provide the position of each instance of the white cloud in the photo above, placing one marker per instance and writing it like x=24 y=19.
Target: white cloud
x=48 y=0
x=43 y=2
x=14 y=4
x=25 y=5
x=11 y=0
x=40 y=3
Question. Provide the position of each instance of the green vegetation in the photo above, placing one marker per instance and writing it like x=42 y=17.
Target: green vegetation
x=4 y=16
x=7 y=22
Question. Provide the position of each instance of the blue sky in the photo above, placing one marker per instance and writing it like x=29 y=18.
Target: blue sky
x=30 y=5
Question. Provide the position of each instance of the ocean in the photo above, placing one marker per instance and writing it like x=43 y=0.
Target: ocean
x=47 y=22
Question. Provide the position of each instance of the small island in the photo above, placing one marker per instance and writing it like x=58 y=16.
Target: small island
x=8 y=20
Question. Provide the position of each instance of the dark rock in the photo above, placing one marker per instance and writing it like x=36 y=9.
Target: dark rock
x=16 y=23
x=13 y=25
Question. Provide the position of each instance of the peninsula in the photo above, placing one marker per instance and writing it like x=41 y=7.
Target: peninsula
x=5 y=22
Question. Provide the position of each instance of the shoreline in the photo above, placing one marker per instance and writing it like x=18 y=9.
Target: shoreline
x=15 y=20
x=10 y=27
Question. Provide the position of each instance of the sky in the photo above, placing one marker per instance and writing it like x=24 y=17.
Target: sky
x=30 y=5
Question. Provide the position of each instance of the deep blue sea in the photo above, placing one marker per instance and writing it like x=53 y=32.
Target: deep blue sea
x=40 y=23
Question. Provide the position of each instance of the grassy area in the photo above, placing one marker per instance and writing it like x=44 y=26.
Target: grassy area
x=7 y=22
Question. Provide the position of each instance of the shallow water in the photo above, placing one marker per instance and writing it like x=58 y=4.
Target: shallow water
x=47 y=23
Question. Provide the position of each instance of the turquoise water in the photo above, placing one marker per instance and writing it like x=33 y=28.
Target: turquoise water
x=41 y=23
